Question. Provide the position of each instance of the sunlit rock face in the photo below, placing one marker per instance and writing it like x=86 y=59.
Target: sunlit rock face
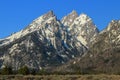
x=48 y=42
x=103 y=55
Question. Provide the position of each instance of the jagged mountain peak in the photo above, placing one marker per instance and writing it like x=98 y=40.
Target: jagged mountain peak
x=48 y=42
x=48 y=15
x=73 y=13
x=103 y=54
x=69 y=19
x=84 y=27
x=42 y=20
x=45 y=17
x=36 y=24
x=114 y=25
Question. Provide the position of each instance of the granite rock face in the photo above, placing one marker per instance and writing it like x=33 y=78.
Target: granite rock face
x=48 y=42
x=103 y=55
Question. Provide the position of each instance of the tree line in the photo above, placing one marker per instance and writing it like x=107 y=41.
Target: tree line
x=7 y=70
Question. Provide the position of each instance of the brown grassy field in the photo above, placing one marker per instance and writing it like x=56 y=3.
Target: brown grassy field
x=61 y=77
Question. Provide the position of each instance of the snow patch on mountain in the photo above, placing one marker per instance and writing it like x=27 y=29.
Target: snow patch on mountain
x=34 y=26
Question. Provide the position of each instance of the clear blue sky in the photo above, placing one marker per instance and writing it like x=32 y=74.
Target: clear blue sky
x=17 y=14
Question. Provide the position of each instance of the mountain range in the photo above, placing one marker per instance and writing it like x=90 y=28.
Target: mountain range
x=50 y=43
x=103 y=55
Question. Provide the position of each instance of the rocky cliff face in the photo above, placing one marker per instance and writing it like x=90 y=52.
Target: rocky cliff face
x=103 y=55
x=48 y=42
x=80 y=27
